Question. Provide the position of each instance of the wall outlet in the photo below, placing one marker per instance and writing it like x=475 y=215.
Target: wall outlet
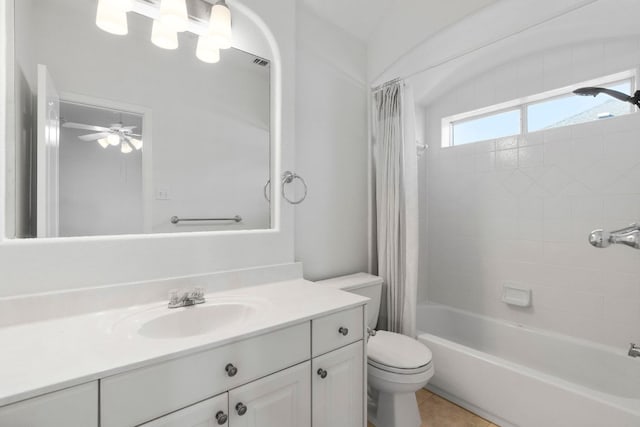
x=162 y=194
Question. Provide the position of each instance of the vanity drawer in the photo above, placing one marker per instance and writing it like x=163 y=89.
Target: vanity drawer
x=337 y=330
x=131 y=398
x=72 y=407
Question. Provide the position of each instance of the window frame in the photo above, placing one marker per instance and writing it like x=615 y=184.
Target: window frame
x=523 y=103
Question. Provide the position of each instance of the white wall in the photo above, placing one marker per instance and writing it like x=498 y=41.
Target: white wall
x=520 y=209
x=331 y=148
x=46 y=265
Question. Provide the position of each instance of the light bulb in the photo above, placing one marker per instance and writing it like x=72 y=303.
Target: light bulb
x=163 y=36
x=207 y=50
x=137 y=143
x=113 y=139
x=125 y=148
x=173 y=14
x=104 y=142
x=220 y=25
x=112 y=16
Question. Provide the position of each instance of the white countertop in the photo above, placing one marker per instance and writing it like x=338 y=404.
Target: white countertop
x=40 y=357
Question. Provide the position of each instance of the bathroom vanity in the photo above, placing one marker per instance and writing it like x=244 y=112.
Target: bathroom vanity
x=281 y=354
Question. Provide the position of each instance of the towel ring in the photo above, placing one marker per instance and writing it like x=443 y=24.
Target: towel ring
x=287 y=178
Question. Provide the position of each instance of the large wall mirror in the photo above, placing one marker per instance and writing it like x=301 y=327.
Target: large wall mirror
x=115 y=135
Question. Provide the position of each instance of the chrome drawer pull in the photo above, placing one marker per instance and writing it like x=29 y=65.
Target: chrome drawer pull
x=221 y=417
x=241 y=408
x=231 y=370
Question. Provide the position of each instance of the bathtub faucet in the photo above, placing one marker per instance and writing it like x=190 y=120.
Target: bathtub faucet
x=629 y=236
x=634 y=350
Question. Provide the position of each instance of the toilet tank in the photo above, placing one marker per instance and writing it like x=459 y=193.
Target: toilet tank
x=364 y=284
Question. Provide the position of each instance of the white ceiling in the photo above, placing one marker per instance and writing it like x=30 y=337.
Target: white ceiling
x=362 y=18
x=358 y=17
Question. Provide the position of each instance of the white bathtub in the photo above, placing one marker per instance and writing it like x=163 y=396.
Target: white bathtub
x=520 y=376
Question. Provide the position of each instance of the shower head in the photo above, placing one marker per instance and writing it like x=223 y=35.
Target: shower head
x=594 y=91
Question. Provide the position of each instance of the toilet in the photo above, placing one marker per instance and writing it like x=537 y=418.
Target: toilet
x=397 y=365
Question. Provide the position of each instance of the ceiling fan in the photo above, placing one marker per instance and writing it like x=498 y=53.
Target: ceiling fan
x=115 y=135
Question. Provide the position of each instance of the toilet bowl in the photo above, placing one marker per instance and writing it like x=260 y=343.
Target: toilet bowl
x=397 y=365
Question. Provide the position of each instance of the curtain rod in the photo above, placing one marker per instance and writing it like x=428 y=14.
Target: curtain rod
x=385 y=84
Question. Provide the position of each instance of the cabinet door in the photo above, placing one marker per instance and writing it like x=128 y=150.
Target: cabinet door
x=338 y=387
x=279 y=400
x=72 y=407
x=210 y=413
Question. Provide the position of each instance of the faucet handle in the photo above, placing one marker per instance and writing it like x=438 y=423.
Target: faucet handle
x=173 y=296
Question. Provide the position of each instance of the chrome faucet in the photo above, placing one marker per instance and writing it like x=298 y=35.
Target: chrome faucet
x=193 y=297
x=634 y=350
x=629 y=236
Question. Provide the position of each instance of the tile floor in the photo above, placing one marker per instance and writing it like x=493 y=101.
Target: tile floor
x=438 y=412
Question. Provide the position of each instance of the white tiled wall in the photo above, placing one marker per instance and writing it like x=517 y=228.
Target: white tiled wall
x=520 y=209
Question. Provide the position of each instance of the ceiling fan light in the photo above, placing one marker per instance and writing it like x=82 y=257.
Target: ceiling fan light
x=104 y=142
x=207 y=50
x=163 y=36
x=173 y=14
x=113 y=139
x=125 y=148
x=220 y=25
x=137 y=143
x=111 y=17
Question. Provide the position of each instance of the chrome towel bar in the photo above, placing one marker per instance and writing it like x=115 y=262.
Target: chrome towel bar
x=176 y=220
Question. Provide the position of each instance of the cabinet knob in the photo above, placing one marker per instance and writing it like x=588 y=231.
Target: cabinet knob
x=322 y=373
x=241 y=408
x=231 y=370
x=221 y=417
x=344 y=331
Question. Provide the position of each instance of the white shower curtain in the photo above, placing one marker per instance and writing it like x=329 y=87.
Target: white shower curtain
x=396 y=192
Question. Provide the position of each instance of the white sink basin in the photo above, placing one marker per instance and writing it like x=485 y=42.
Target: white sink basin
x=165 y=323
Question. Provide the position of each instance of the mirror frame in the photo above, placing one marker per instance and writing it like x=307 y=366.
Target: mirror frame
x=7 y=130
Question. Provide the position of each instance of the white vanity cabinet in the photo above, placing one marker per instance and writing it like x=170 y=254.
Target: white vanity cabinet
x=338 y=369
x=305 y=374
x=72 y=407
x=338 y=387
x=211 y=412
x=279 y=400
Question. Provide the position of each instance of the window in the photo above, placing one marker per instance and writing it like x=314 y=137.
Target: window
x=568 y=110
x=539 y=112
x=487 y=127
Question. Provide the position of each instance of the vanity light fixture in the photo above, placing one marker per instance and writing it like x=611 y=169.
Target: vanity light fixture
x=173 y=14
x=163 y=36
x=207 y=49
x=220 y=25
x=112 y=16
x=173 y=18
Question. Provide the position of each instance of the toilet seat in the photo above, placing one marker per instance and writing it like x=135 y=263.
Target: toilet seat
x=399 y=354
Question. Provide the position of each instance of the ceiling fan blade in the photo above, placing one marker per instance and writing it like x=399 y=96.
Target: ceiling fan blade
x=94 y=136
x=84 y=127
x=129 y=127
x=134 y=134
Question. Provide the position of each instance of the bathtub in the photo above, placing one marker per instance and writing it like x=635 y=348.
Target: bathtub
x=519 y=376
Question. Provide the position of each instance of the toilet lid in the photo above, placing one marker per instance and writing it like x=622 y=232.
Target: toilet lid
x=397 y=351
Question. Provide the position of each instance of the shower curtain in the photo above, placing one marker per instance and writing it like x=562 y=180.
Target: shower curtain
x=396 y=192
